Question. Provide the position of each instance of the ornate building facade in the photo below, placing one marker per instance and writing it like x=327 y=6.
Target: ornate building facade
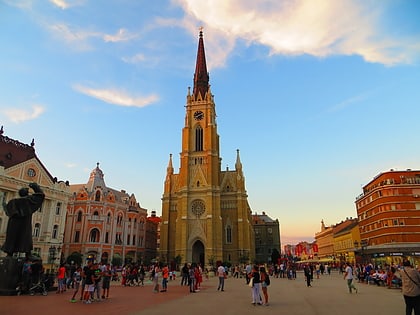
x=105 y=223
x=206 y=217
x=19 y=166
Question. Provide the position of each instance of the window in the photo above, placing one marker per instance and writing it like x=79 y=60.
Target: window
x=141 y=241
x=98 y=196
x=198 y=138
x=58 y=208
x=37 y=230
x=128 y=239
x=228 y=234
x=108 y=218
x=79 y=216
x=96 y=215
x=134 y=240
x=55 y=231
x=77 y=236
x=94 y=236
x=107 y=237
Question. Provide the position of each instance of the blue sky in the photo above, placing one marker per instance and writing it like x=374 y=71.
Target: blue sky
x=318 y=96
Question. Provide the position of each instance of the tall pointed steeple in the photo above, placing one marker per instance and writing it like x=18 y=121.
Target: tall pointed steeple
x=238 y=164
x=170 y=168
x=201 y=76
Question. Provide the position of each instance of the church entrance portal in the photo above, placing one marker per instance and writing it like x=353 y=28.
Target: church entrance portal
x=198 y=253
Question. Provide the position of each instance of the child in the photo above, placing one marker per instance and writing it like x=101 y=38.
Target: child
x=77 y=277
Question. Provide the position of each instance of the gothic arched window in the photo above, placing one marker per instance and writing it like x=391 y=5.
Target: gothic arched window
x=198 y=138
x=228 y=234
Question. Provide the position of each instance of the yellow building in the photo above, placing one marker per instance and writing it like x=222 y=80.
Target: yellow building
x=324 y=239
x=206 y=217
x=346 y=234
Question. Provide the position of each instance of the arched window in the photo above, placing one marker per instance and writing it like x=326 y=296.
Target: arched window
x=228 y=234
x=198 y=138
x=94 y=236
x=55 y=232
x=37 y=229
x=79 y=216
x=98 y=196
x=96 y=215
x=108 y=218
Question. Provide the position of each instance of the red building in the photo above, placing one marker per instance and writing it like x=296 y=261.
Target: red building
x=389 y=217
x=104 y=223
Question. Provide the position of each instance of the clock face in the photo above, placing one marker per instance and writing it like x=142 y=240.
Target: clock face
x=198 y=115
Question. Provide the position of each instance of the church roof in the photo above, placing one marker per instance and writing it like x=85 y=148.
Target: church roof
x=14 y=152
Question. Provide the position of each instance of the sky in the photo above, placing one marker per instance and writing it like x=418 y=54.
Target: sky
x=318 y=96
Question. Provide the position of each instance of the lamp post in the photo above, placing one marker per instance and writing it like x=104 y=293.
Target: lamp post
x=363 y=244
x=52 y=255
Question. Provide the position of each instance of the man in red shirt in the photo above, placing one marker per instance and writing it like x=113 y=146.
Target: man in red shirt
x=165 y=276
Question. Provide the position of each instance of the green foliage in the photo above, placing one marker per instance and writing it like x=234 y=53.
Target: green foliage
x=76 y=258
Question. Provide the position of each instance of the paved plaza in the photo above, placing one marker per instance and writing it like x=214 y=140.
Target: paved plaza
x=327 y=296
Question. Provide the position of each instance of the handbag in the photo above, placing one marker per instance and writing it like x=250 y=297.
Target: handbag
x=251 y=282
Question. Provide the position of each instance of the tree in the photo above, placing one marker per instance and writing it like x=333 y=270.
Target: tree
x=75 y=257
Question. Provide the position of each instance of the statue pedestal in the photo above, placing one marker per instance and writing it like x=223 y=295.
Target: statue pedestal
x=10 y=275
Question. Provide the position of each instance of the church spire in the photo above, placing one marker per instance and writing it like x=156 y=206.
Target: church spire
x=201 y=76
x=238 y=164
x=170 y=168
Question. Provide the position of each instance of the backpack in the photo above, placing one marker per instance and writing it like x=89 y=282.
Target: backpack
x=267 y=279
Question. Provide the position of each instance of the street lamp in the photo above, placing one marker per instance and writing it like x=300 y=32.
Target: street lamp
x=363 y=244
x=52 y=252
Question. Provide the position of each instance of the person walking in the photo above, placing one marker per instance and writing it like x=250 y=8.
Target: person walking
x=184 y=272
x=410 y=288
x=61 y=276
x=348 y=275
x=307 y=273
x=106 y=280
x=191 y=278
x=76 y=279
x=221 y=274
x=165 y=276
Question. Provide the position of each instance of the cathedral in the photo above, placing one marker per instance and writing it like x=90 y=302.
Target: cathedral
x=206 y=217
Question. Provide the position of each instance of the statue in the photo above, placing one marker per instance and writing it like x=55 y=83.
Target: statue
x=19 y=227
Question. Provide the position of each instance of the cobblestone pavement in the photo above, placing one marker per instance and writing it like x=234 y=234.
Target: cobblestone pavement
x=327 y=296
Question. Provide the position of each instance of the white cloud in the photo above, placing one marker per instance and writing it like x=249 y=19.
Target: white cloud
x=79 y=39
x=134 y=59
x=65 y=4
x=122 y=35
x=60 y=3
x=76 y=39
x=117 y=97
x=295 y=27
x=20 y=115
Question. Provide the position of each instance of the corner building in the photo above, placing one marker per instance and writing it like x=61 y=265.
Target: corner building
x=389 y=217
x=206 y=217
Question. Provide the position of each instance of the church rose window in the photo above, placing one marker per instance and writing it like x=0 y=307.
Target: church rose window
x=198 y=207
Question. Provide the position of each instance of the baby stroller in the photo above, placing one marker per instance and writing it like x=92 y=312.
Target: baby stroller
x=38 y=287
